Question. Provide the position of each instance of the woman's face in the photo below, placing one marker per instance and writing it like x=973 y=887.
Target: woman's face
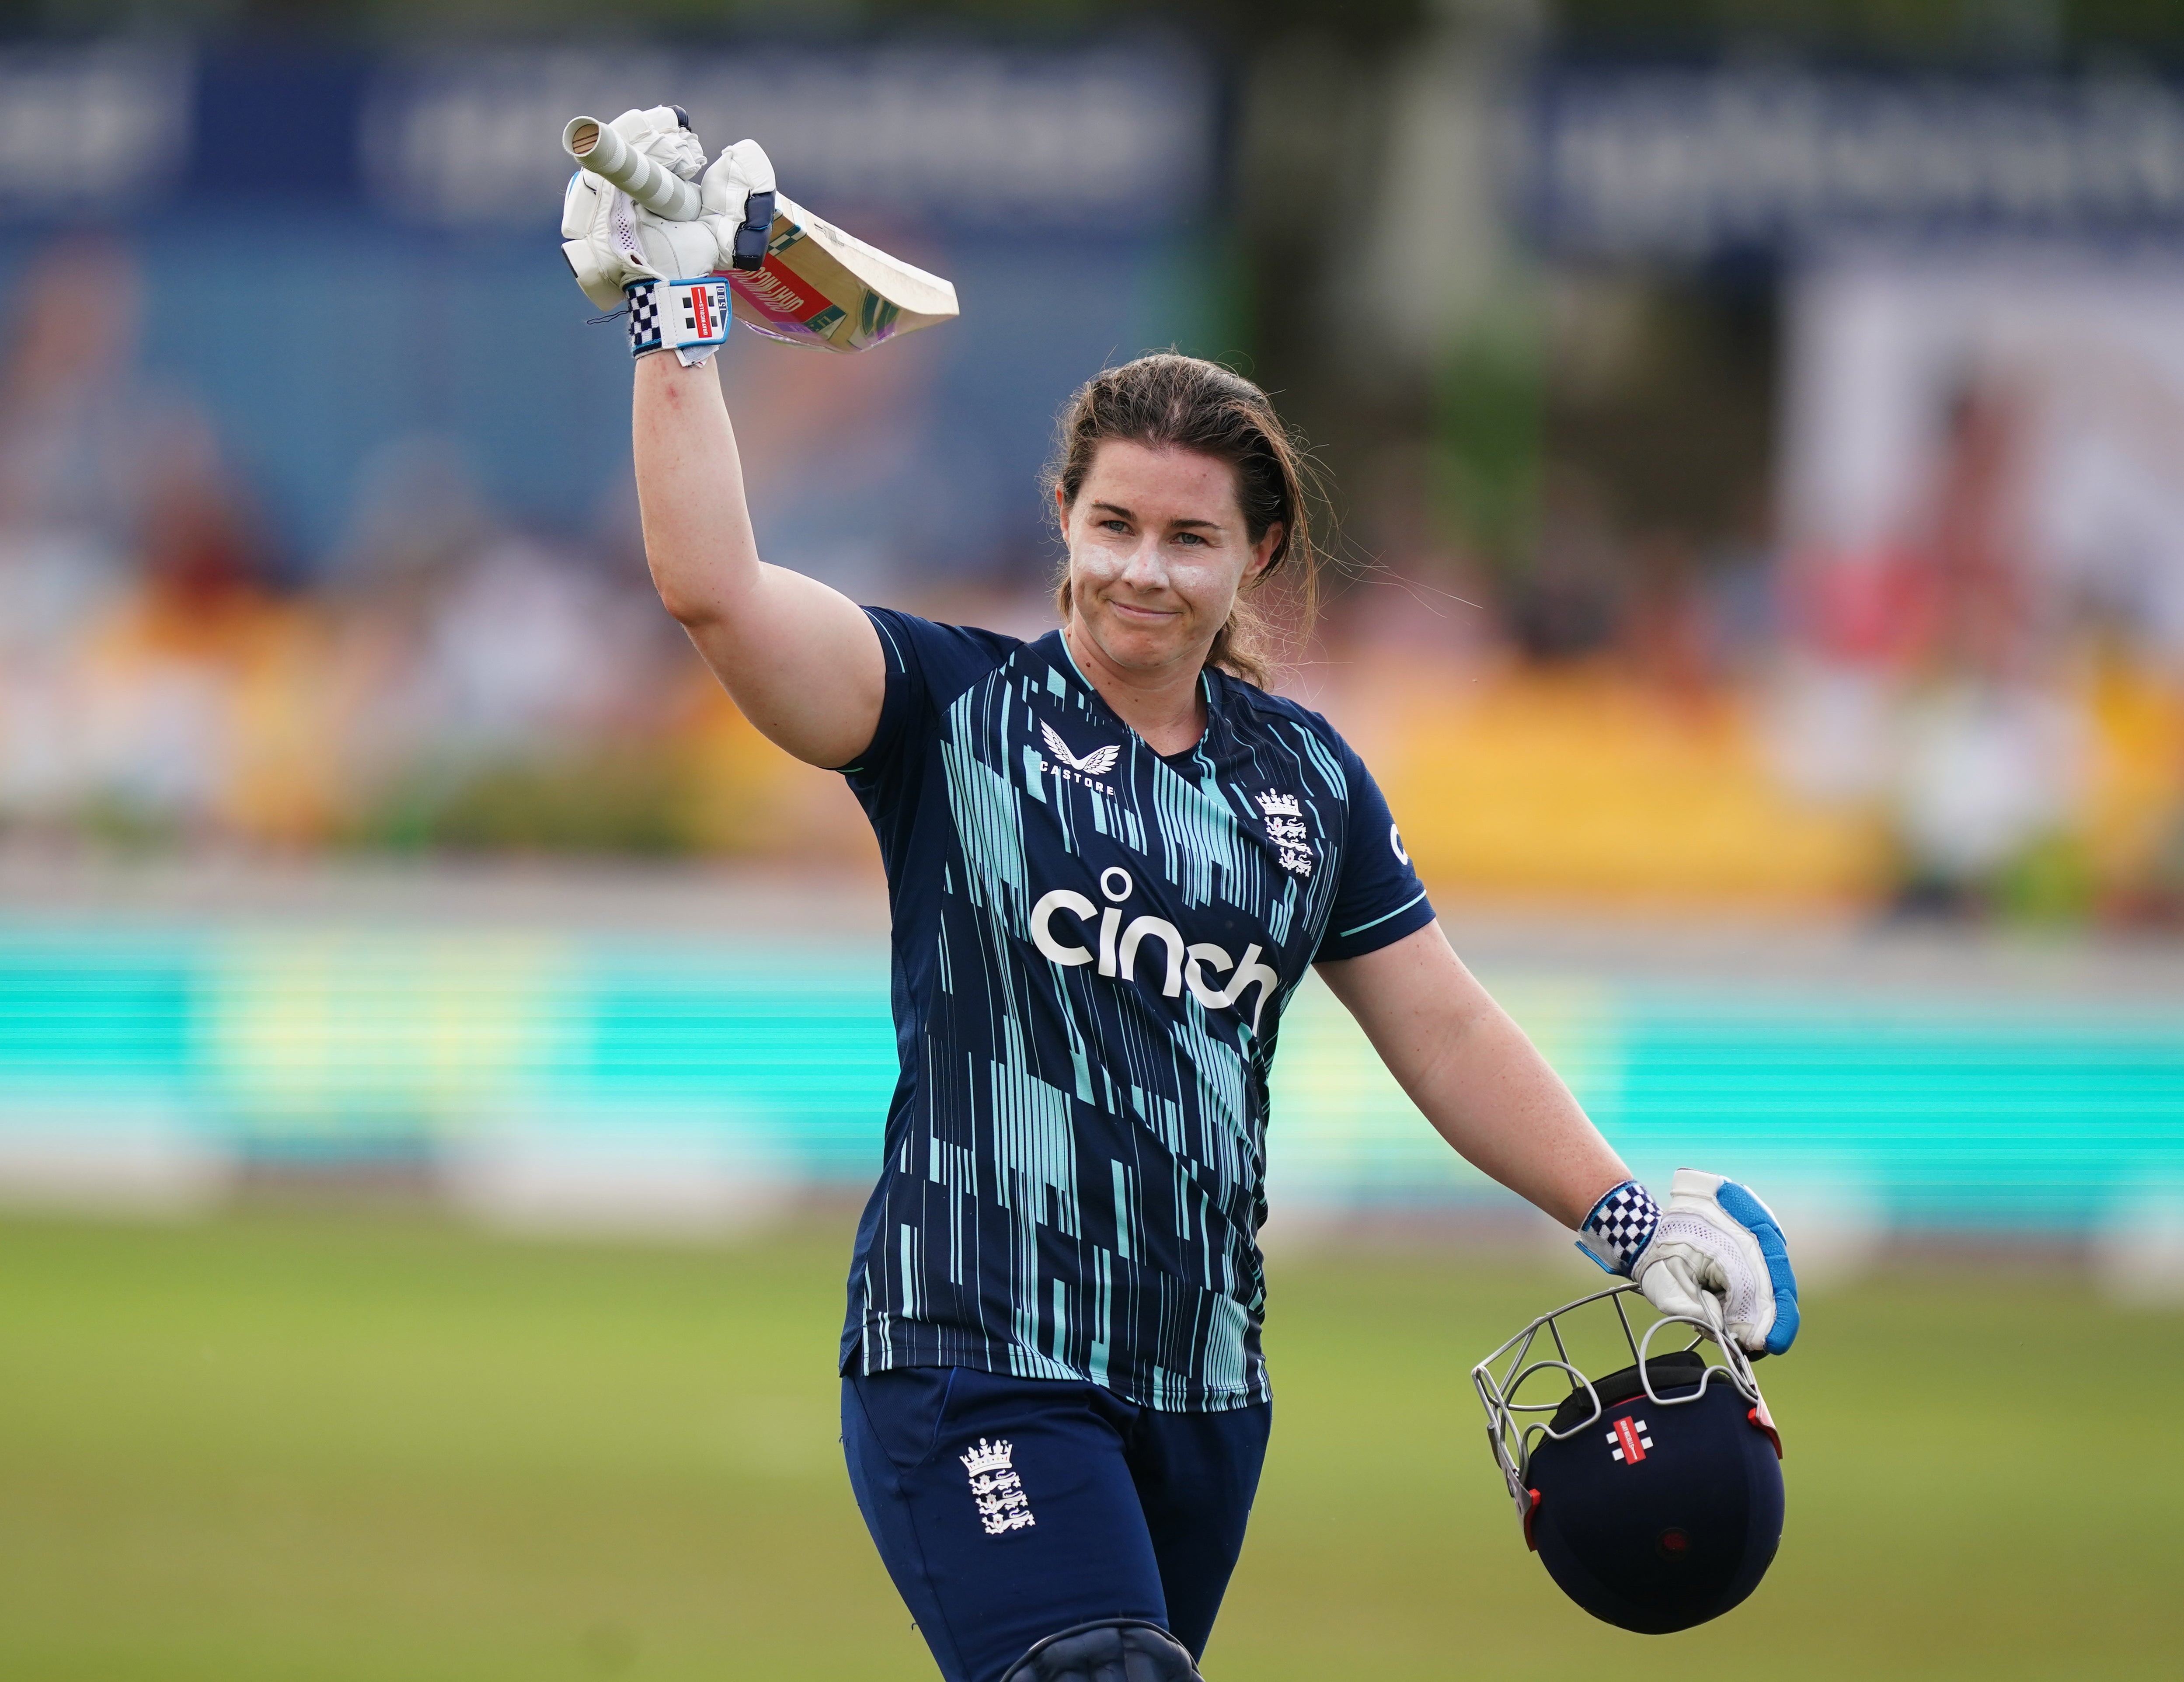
x=1158 y=548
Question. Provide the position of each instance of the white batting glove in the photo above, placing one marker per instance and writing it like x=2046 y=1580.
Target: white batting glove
x=737 y=191
x=1716 y=1254
x=610 y=240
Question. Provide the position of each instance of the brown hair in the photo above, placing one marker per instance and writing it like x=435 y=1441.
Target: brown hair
x=1170 y=401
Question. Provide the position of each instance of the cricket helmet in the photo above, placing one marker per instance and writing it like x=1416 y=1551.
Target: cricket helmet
x=1654 y=1494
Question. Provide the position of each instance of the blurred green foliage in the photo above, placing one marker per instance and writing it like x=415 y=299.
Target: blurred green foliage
x=351 y=1448
x=1907 y=32
x=632 y=799
x=1490 y=436
x=2052 y=884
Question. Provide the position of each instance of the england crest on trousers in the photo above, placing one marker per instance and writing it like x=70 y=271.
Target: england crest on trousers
x=997 y=1489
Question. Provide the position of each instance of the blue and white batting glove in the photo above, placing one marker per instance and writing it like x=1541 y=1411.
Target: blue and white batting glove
x=1716 y=1254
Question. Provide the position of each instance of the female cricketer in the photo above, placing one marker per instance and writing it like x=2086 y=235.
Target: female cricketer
x=1111 y=854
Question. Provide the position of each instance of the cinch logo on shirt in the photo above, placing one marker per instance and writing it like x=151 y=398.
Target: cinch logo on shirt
x=1187 y=962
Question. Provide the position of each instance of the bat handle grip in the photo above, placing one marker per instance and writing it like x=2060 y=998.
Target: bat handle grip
x=597 y=147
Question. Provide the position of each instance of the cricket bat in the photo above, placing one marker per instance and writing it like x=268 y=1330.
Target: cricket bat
x=815 y=285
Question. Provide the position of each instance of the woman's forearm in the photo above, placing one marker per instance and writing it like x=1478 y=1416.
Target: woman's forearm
x=801 y=659
x=698 y=537
x=1475 y=1075
x=1493 y=1097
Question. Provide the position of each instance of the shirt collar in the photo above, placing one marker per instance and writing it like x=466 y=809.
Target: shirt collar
x=1211 y=685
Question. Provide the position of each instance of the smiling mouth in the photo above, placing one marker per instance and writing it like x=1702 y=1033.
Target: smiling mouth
x=1128 y=610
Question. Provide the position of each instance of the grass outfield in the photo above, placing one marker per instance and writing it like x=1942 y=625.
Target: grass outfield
x=348 y=1448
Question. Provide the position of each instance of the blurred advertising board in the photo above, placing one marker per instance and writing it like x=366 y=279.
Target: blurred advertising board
x=963 y=136
x=1889 y=349
x=1115 y=137
x=1661 y=161
x=334 y=259
x=545 y=1075
x=1982 y=495
x=103 y=127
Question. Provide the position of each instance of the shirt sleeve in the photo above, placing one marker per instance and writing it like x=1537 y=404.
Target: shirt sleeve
x=928 y=666
x=1380 y=899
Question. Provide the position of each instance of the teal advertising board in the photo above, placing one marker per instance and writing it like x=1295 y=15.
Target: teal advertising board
x=288 y=1042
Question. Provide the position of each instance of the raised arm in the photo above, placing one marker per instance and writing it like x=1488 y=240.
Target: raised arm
x=802 y=660
x=1471 y=1071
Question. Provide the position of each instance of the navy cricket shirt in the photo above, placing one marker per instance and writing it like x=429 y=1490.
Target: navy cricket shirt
x=1093 y=944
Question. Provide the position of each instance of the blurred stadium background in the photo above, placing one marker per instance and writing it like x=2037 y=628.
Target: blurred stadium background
x=1757 y=435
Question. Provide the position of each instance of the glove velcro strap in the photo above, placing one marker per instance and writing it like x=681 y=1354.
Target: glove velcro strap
x=1620 y=1227
x=677 y=314
x=751 y=237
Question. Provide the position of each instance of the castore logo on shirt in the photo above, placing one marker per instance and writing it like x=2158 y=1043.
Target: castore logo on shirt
x=1117 y=953
x=1097 y=763
x=1066 y=766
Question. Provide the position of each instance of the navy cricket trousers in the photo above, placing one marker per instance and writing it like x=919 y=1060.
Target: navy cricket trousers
x=1006 y=1509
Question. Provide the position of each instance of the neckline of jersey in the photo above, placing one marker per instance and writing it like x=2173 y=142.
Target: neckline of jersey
x=1205 y=685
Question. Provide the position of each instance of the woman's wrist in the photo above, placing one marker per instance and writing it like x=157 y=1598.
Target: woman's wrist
x=1620 y=1227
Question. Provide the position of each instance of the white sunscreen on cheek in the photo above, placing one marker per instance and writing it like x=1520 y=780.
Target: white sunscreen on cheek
x=1141 y=563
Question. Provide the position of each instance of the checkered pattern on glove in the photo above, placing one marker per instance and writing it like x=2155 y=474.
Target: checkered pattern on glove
x=1620 y=1227
x=643 y=316
x=689 y=317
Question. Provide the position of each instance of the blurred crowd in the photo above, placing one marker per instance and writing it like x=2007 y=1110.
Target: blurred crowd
x=170 y=676
x=2020 y=726
x=1943 y=719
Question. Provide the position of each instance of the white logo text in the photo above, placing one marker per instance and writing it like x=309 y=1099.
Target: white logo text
x=1117 y=955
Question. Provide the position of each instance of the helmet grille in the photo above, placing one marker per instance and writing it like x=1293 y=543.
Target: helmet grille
x=1678 y=1370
